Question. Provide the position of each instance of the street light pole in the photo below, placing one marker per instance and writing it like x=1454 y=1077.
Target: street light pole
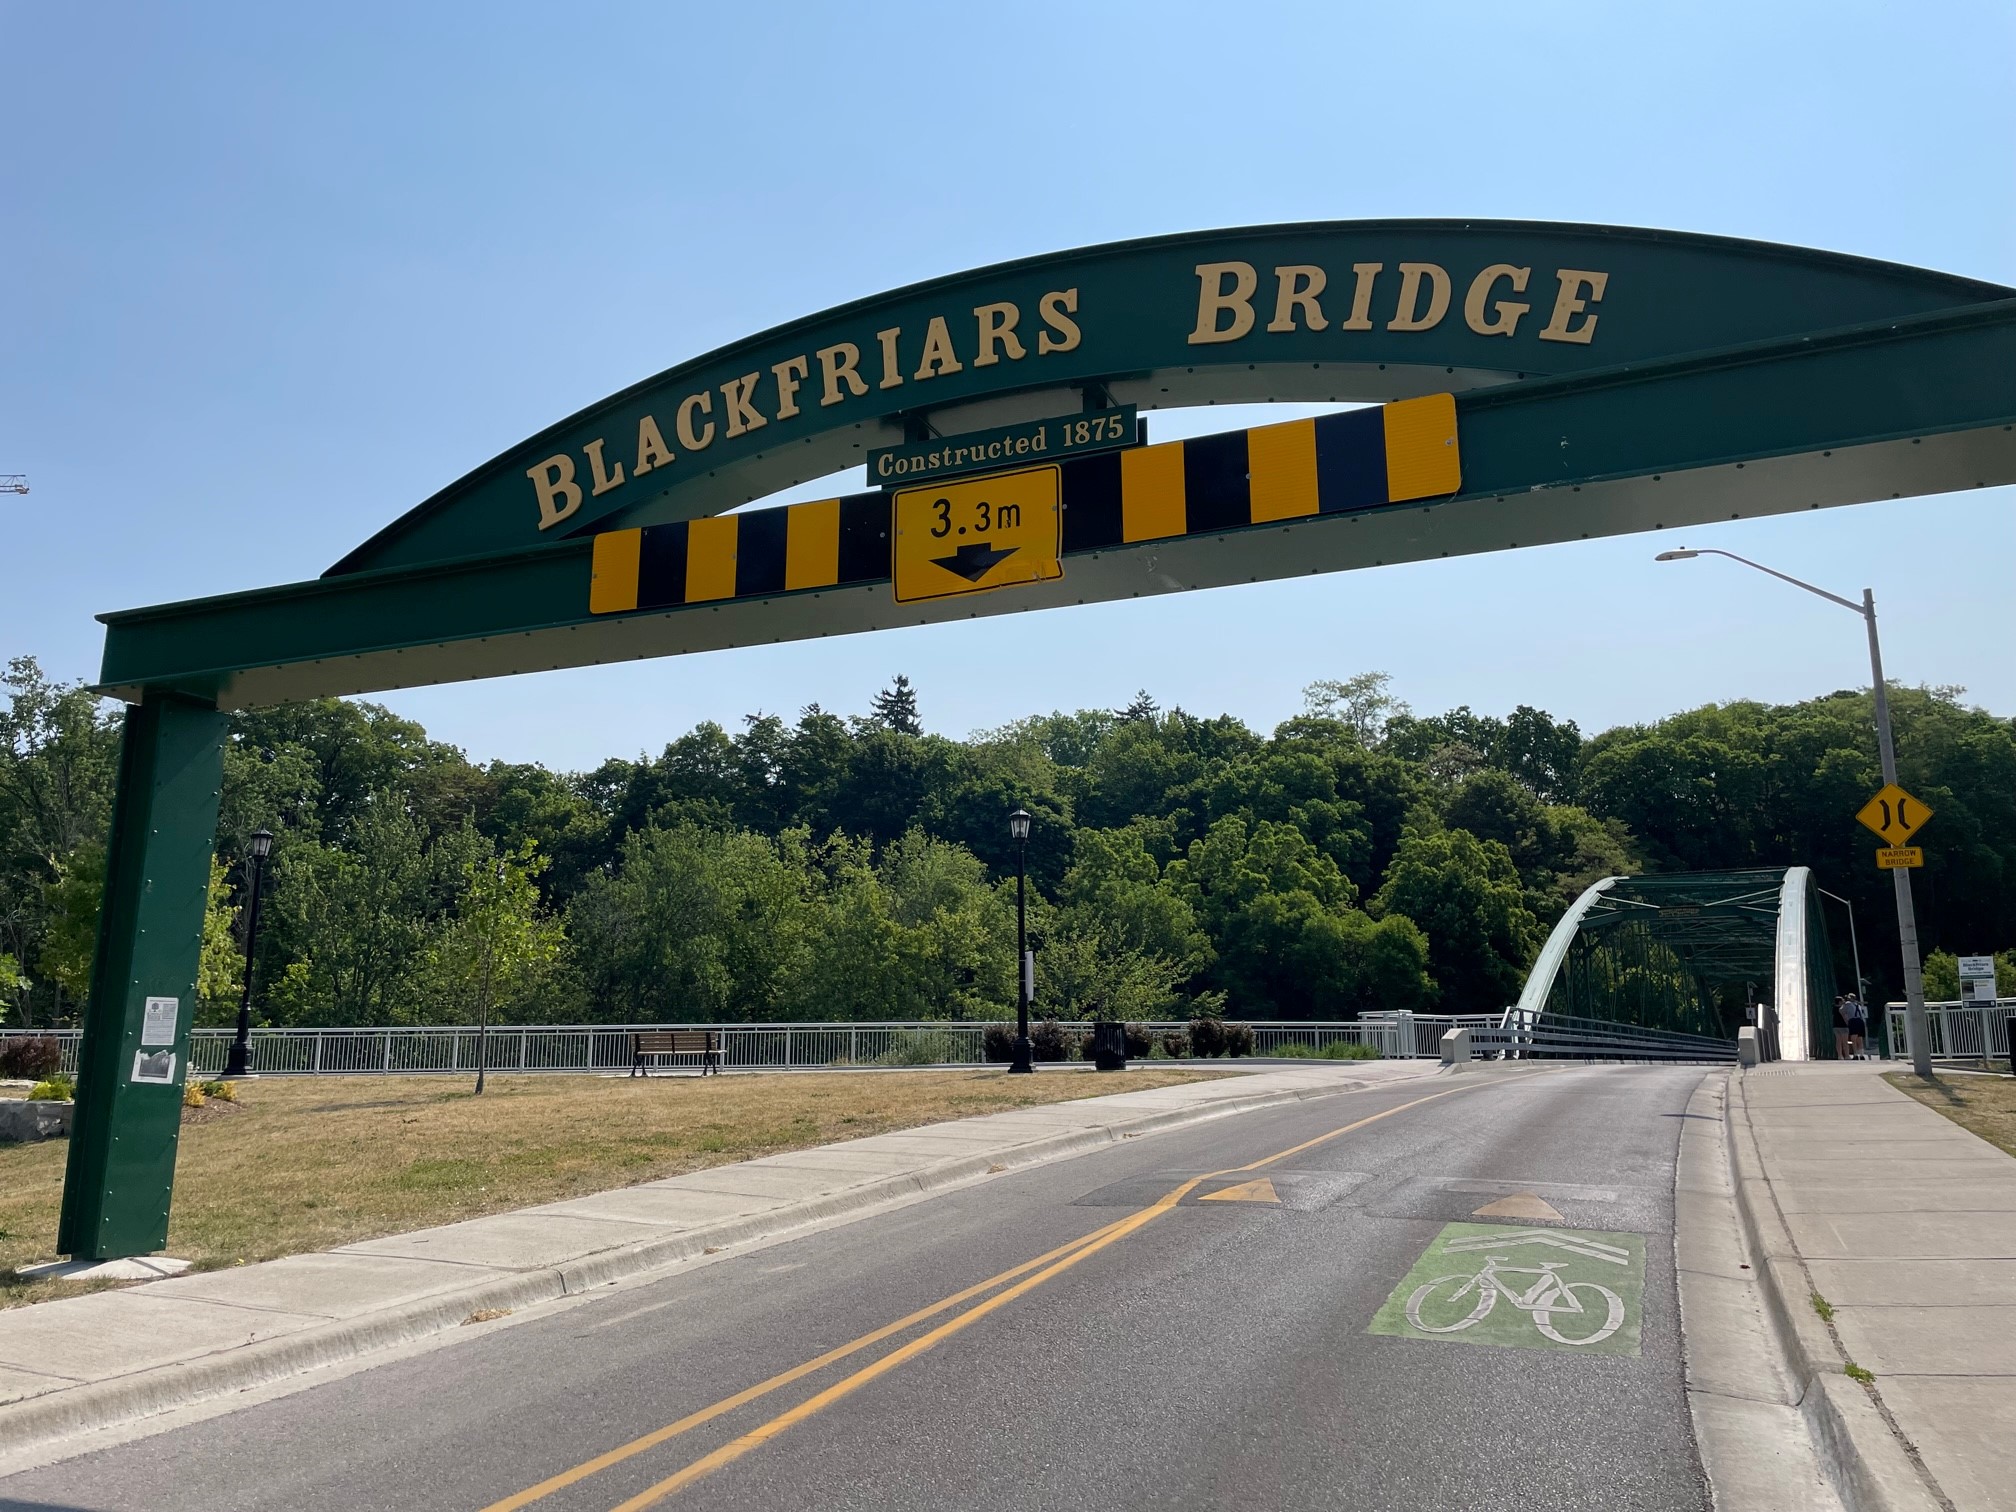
x=1854 y=944
x=1018 y=831
x=1900 y=877
x=1855 y=950
x=239 y=1061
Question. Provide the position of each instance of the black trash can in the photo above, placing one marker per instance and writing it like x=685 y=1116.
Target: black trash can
x=1109 y=1047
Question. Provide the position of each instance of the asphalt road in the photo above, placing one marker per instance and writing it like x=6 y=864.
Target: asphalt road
x=1205 y=1353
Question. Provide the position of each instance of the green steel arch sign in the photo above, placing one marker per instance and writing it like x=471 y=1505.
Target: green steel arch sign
x=1535 y=383
x=1351 y=311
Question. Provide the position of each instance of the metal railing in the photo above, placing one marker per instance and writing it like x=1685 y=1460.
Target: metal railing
x=1555 y=1036
x=1418 y=1036
x=1958 y=1031
x=578 y=1048
x=451 y=1049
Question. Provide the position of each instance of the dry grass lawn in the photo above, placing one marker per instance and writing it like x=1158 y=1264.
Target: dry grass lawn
x=1984 y=1105
x=305 y=1164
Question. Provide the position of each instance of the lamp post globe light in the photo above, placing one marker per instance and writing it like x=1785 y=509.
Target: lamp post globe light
x=239 y=1061
x=1907 y=922
x=1025 y=968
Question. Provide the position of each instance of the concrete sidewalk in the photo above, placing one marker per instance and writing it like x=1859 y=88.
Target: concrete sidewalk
x=1905 y=1224
x=93 y=1362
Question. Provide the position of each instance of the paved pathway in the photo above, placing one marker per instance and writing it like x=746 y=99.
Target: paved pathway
x=1905 y=1224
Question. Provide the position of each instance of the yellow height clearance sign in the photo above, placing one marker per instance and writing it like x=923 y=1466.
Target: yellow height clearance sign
x=976 y=534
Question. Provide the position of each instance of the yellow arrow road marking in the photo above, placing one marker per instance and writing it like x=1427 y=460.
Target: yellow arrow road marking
x=1261 y=1190
x=1519 y=1205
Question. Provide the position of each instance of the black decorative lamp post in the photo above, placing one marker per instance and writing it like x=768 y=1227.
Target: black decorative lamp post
x=1025 y=969
x=239 y=1061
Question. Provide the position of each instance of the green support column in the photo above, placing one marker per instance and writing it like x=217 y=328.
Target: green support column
x=135 y=1052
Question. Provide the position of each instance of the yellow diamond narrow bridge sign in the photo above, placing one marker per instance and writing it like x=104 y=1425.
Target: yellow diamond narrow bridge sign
x=1894 y=815
x=977 y=534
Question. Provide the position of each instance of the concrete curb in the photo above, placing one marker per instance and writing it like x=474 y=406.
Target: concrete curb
x=40 y=1421
x=1860 y=1451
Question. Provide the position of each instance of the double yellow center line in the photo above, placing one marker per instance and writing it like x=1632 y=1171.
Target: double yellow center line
x=1015 y=1282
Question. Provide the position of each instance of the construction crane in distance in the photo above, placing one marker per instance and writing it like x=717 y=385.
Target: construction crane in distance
x=13 y=482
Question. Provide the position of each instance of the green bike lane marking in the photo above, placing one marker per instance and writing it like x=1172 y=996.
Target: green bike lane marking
x=1577 y=1290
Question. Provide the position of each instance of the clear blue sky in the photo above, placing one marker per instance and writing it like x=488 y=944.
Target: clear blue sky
x=270 y=275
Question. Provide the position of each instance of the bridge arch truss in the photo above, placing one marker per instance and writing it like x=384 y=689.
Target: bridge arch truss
x=1691 y=952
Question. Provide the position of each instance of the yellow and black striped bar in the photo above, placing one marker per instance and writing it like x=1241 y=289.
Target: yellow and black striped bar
x=823 y=544
x=1334 y=464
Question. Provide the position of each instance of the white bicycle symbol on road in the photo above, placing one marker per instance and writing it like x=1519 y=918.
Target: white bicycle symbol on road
x=1547 y=1298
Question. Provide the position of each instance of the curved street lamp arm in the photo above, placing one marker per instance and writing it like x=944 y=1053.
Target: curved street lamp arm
x=1786 y=577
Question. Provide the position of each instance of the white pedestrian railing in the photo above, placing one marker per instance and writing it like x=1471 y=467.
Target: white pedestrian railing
x=1958 y=1031
x=453 y=1048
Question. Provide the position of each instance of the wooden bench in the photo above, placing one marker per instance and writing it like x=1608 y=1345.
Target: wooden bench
x=704 y=1043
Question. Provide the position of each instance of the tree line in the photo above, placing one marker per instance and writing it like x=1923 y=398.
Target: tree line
x=1358 y=856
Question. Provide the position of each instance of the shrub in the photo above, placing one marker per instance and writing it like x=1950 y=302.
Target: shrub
x=997 y=1044
x=53 y=1089
x=223 y=1091
x=31 y=1058
x=1207 y=1037
x=1329 y=1050
x=1238 y=1039
x=1349 y=1050
x=1050 y=1041
x=1139 y=1040
x=192 y=1095
x=1175 y=1044
x=911 y=1047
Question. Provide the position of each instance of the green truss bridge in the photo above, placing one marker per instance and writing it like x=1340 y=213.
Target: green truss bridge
x=1690 y=953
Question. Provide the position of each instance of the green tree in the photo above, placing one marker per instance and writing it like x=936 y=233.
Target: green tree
x=1363 y=704
x=354 y=924
x=220 y=970
x=1465 y=895
x=896 y=708
x=695 y=925
x=490 y=954
x=955 y=945
x=14 y=992
x=1288 y=942
x=1120 y=892
x=58 y=762
x=1142 y=709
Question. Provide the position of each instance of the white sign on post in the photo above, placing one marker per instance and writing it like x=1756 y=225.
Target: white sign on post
x=1977 y=966
x=158 y=1027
